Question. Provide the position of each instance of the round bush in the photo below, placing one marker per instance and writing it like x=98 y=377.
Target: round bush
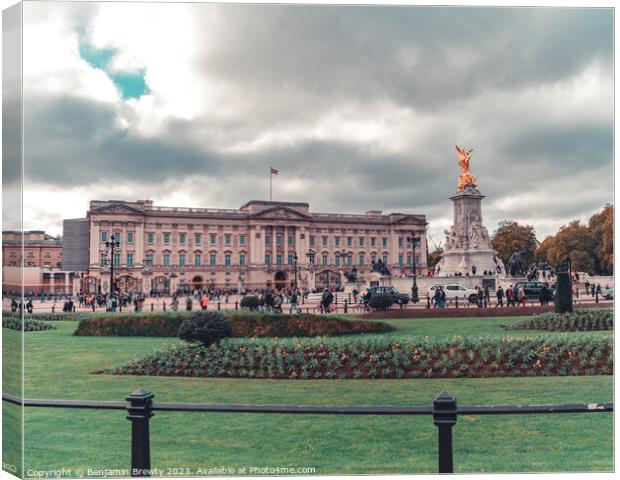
x=380 y=302
x=206 y=328
x=250 y=302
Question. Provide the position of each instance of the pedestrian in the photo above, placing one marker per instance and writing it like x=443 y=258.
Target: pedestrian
x=188 y=303
x=29 y=306
x=500 y=297
x=13 y=305
x=174 y=305
x=487 y=295
x=293 y=301
x=204 y=302
x=480 y=296
x=521 y=295
x=510 y=296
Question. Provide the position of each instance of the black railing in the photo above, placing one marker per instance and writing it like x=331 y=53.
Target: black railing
x=140 y=408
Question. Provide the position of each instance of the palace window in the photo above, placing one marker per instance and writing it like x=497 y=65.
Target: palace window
x=385 y=259
x=400 y=259
x=197 y=238
x=103 y=259
x=417 y=260
x=337 y=260
x=373 y=242
x=350 y=260
x=166 y=238
x=213 y=238
x=182 y=238
x=267 y=259
x=241 y=239
x=361 y=259
x=311 y=257
x=279 y=240
x=312 y=240
x=290 y=240
x=278 y=259
x=166 y=259
x=324 y=259
x=104 y=236
x=385 y=242
x=408 y=259
x=213 y=260
x=117 y=236
x=227 y=238
x=361 y=241
x=117 y=260
x=242 y=260
x=129 y=237
x=337 y=241
x=150 y=238
x=290 y=259
x=197 y=260
x=267 y=239
x=324 y=240
x=227 y=260
x=149 y=259
x=130 y=259
x=181 y=259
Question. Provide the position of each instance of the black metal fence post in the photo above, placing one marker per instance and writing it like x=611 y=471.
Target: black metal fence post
x=346 y=306
x=139 y=412
x=444 y=416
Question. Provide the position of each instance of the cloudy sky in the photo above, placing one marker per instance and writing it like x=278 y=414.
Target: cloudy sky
x=359 y=108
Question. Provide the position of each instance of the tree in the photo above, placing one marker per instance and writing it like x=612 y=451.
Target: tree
x=590 y=247
x=434 y=257
x=510 y=236
x=601 y=227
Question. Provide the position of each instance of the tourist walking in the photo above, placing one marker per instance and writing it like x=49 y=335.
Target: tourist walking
x=521 y=295
x=293 y=301
x=480 y=296
x=174 y=305
x=189 y=303
x=204 y=302
x=500 y=297
x=510 y=296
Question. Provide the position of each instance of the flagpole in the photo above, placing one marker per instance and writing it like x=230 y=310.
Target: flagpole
x=270 y=177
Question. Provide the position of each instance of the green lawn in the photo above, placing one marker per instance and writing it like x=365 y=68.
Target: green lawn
x=59 y=365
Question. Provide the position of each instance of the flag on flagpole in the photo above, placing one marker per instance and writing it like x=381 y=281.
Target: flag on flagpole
x=274 y=171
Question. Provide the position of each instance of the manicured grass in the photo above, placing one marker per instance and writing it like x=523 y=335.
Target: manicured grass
x=58 y=365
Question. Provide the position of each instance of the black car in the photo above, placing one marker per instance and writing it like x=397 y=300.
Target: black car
x=532 y=289
x=399 y=298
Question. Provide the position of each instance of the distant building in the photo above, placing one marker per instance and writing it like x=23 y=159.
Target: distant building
x=42 y=262
x=259 y=245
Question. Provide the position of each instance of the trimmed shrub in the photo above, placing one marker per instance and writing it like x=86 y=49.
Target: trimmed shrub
x=49 y=316
x=382 y=357
x=29 y=325
x=206 y=328
x=564 y=293
x=245 y=324
x=581 y=320
x=250 y=302
x=380 y=302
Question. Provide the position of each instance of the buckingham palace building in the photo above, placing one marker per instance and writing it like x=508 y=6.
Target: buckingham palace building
x=262 y=244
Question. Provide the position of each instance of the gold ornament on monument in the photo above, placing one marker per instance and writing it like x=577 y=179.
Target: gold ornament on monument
x=464 y=159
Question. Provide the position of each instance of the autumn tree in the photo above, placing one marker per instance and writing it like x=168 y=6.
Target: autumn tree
x=511 y=236
x=590 y=247
x=434 y=257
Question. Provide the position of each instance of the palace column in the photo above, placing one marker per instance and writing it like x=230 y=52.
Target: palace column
x=139 y=243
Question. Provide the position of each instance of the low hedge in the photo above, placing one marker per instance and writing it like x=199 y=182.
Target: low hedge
x=51 y=317
x=245 y=324
x=381 y=357
x=29 y=325
x=581 y=320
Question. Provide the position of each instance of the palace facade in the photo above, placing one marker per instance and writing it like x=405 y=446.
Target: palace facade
x=261 y=244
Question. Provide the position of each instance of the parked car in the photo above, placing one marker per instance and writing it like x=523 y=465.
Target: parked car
x=454 y=290
x=608 y=294
x=399 y=298
x=532 y=289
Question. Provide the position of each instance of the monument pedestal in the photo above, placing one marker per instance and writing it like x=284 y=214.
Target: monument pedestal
x=468 y=248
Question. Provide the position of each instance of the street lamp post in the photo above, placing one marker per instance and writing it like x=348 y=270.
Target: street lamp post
x=415 y=241
x=295 y=266
x=310 y=256
x=113 y=246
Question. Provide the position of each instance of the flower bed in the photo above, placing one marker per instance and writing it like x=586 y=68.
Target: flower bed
x=581 y=320
x=380 y=358
x=245 y=324
x=29 y=325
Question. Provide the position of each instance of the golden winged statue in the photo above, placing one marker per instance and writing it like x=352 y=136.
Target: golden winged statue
x=465 y=178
